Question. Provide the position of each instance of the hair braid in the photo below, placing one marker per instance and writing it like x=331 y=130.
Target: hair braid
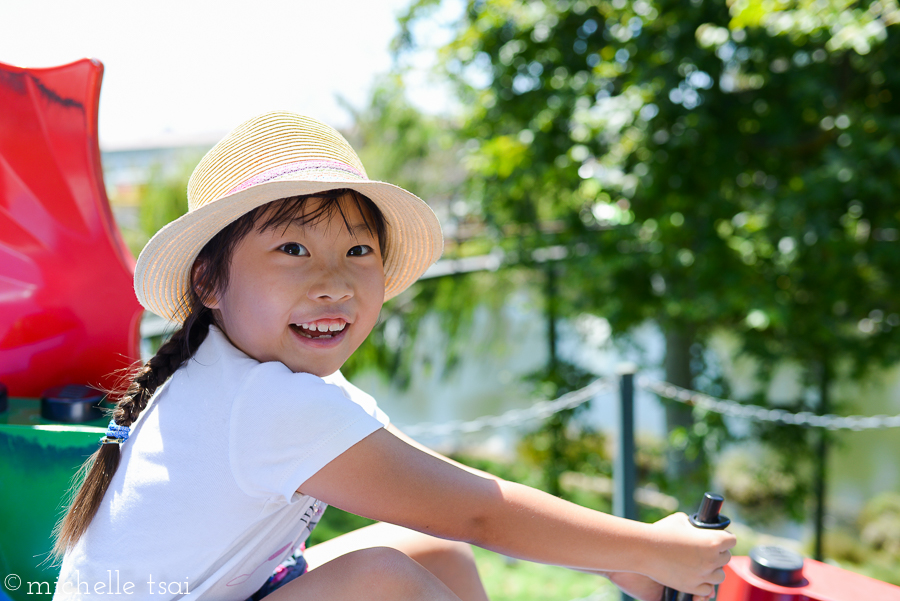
x=97 y=472
x=170 y=356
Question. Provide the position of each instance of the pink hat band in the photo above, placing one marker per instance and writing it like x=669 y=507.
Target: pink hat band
x=310 y=171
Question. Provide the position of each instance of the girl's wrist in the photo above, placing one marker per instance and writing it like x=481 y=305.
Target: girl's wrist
x=647 y=550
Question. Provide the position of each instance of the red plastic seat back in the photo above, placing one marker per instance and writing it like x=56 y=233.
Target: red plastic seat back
x=68 y=313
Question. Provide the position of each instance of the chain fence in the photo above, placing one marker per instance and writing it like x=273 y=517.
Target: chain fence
x=544 y=409
x=664 y=390
x=755 y=412
x=514 y=417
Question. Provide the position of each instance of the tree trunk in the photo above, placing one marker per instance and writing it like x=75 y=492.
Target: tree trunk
x=678 y=371
x=556 y=424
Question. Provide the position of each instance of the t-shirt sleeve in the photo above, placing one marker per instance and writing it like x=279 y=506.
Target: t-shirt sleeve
x=286 y=426
x=361 y=398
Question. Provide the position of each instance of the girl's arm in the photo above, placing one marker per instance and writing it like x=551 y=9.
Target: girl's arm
x=416 y=444
x=386 y=479
x=636 y=585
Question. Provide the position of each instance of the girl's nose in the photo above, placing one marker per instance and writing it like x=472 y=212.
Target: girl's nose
x=329 y=284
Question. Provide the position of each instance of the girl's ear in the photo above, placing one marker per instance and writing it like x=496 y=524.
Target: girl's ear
x=205 y=293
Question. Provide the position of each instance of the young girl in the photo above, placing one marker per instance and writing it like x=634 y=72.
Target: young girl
x=226 y=448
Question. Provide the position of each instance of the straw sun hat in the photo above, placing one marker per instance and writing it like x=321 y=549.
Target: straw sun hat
x=269 y=157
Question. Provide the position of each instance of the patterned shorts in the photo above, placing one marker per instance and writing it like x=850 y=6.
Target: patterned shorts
x=290 y=569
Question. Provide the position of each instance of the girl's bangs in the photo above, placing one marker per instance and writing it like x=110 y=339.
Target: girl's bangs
x=295 y=210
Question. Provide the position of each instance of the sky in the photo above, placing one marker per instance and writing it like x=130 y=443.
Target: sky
x=183 y=70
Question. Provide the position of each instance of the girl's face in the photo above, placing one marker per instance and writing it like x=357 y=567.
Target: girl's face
x=304 y=295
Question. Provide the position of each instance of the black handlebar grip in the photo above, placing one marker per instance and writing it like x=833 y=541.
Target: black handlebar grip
x=706 y=517
x=709 y=508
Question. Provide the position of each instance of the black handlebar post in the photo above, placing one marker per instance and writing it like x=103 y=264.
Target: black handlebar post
x=707 y=517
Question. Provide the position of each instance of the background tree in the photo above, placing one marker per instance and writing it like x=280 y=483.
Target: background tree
x=706 y=165
x=400 y=144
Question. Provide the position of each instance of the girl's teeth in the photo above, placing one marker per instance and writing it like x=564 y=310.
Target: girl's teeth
x=304 y=334
x=319 y=331
x=321 y=327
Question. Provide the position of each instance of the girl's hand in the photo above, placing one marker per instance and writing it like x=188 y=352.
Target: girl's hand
x=689 y=559
x=641 y=587
x=637 y=585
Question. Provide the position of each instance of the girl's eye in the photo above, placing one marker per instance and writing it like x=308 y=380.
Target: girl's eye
x=360 y=250
x=294 y=249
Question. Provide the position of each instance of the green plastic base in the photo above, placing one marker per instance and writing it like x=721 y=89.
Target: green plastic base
x=39 y=459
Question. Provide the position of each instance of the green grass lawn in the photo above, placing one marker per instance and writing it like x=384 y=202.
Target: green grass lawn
x=510 y=580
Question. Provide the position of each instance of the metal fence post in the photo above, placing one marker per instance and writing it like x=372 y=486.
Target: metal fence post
x=624 y=473
x=623 y=469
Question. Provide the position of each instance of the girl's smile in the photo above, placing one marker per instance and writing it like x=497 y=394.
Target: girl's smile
x=306 y=295
x=321 y=328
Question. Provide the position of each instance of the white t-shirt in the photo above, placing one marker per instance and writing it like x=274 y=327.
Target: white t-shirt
x=203 y=504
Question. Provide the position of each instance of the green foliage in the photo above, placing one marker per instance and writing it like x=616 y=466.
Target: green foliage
x=720 y=139
x=760 y=482
x=420 y=153
x=704 y=434
x=584 y=451
x=399 y=144
x=334 y=523
x=162 y=199
x=560 y=444
x=394 y=347
x=707 y=164
x=880 y=524
x=872 y=547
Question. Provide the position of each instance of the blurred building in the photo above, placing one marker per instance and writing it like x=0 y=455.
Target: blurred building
x=126 y=168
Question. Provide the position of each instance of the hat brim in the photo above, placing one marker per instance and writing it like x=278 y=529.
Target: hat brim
x=162 y=272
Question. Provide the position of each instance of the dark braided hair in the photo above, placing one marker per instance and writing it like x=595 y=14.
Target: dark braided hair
x=210 y=274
